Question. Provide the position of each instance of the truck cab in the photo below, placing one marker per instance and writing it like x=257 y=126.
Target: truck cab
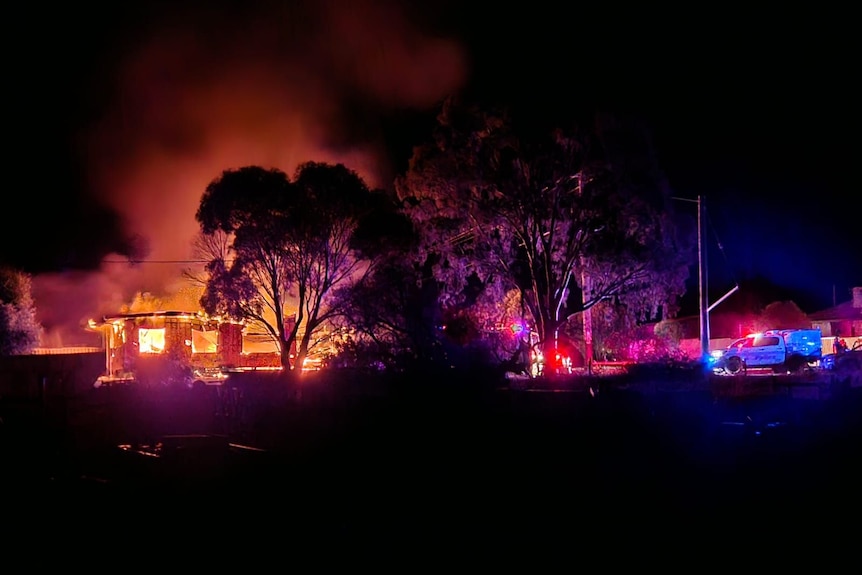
x=758 y=350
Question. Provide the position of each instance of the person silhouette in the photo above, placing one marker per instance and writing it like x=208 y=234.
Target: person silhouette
x=839 y=346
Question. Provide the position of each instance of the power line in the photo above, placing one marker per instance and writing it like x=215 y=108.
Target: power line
x=155 y=261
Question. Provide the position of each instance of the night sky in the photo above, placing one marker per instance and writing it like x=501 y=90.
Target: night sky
x=120 y=117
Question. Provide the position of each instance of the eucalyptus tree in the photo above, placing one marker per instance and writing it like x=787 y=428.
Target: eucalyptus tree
x=292 y=242
x=516 y=207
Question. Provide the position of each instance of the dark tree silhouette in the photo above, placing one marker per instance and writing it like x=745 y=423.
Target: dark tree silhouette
x=292 y=241
x=782 y=315
x=392 y=315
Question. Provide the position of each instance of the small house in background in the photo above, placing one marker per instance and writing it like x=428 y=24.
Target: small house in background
x=844 y=319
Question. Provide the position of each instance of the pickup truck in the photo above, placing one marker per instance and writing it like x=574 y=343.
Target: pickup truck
x=782 y=350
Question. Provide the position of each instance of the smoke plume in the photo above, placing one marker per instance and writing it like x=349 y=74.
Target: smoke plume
x=213 y=90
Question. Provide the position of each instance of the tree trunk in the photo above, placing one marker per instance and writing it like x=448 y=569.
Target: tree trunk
x=302 y=350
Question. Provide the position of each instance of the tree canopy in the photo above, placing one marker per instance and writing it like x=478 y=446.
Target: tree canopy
x=280 y=246
x=507 y=206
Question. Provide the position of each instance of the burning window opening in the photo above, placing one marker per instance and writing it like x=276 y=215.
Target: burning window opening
x=151 y=340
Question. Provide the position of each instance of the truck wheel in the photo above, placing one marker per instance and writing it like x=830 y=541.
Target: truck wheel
x=734 y=365
x=795 y=365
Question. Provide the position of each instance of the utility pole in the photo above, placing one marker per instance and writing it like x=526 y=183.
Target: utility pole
x=588 y=324
x=703 y=280
x=701 y=264
x=586 y=295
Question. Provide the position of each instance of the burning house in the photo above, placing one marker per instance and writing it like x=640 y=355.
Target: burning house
x=179 y=347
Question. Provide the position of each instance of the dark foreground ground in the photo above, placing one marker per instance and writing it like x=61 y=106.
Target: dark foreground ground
x=436 y=470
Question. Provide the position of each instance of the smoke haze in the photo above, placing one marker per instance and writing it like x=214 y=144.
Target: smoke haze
x=200 y=93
